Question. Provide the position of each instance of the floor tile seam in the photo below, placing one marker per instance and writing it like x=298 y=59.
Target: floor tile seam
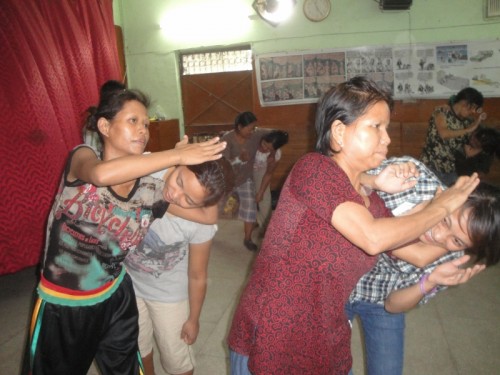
x=452 y=357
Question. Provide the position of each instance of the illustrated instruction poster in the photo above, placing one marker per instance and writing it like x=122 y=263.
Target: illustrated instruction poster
x=420 y=71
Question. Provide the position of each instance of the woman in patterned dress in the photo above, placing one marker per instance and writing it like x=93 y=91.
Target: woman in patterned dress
x=449 y=129
x=322 y=238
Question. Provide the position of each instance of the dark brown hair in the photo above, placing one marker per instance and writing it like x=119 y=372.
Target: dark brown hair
x=110 y=104
x=346 y=102
x=216 y=177
x=484 y=223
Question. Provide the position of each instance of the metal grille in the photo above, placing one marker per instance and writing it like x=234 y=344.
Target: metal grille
x=216 y=61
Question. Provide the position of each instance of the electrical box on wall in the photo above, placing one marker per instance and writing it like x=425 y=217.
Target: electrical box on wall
x=395 y=4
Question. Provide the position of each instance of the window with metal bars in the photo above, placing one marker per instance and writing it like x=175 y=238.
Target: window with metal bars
x=216 y=61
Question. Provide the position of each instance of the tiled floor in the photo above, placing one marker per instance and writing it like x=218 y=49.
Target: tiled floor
x=457 y=333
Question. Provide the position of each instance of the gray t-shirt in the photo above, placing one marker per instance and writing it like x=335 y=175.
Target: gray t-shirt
x=243 y=170
x=159 y=266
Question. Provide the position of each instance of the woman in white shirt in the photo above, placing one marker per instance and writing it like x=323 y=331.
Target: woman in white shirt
x=266 y=160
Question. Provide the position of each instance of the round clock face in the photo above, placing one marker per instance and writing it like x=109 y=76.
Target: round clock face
x=317 y=10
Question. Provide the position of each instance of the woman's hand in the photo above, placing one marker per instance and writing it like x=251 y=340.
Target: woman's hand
x=259 y=197
x=397 y=177
x=189 y=331
x=450 y=273
x=478 y=117
x=481 y=115
x=455 y=196
x=196 y=153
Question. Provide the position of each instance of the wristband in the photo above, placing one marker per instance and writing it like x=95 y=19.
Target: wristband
x=423 y=279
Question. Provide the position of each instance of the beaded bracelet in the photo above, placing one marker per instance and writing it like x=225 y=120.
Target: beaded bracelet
x=423 y=279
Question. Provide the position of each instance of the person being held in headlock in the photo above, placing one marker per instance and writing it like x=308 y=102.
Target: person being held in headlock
x=403 y=278
x=478 y=154
x=169 y=268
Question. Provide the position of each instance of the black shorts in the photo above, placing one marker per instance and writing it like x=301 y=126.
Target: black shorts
x=65 y=340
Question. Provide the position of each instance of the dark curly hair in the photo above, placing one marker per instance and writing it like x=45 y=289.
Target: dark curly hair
x=244 y=119
x=489 y=139
x=277 y=138
x=470 y=95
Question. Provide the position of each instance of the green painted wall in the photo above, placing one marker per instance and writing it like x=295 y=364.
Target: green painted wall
x=151 y=52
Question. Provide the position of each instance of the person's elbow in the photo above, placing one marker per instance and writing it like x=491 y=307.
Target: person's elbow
x=199 y=279
x=392 y=307
x=374 y=250
x=198 y=273
x=370 y=243
x=373 y=245
x=420 y=262
x=99 y=177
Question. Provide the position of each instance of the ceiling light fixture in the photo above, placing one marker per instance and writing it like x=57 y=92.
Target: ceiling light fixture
x=274 y=11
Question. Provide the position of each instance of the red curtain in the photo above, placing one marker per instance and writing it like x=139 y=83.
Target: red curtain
x=54 y=55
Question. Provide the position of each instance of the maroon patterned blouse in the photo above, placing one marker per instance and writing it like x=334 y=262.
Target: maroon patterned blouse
x=290 y=319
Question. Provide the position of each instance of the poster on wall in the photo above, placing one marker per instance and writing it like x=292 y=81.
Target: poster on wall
x=374 y=63
x=420 y=71
x=414 y=72
x=281 y=79
x=297 y=79
x=441 y=70
x=322 y=71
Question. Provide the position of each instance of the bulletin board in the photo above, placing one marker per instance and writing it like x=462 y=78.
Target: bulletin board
x=419 y=71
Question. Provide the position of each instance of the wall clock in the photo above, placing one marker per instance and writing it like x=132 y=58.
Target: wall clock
x=317 y=10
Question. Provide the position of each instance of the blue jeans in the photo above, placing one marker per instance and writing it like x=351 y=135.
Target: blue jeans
x=383 y=337
x=239 y=363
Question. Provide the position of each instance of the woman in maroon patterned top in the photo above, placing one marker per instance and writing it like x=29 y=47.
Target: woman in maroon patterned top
x=322 y=238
